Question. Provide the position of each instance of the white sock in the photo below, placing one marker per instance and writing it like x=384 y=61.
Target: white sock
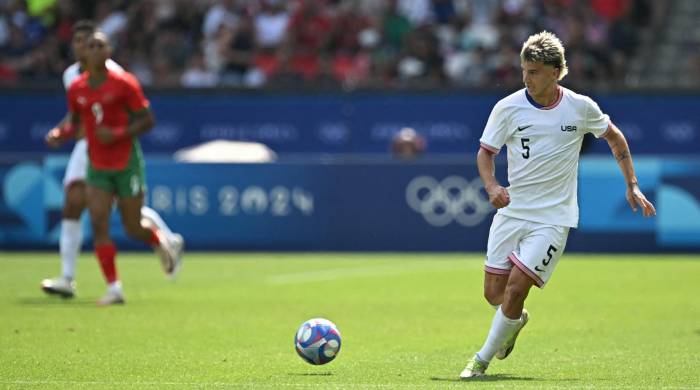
x=151 y=214
x=69 y=244
x=502 y=327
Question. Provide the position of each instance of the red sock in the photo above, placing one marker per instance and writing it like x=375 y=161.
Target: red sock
x=155 y=241
x=106 y=254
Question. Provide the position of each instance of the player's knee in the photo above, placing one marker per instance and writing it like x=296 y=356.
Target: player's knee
x=74 y=203
x=100 y=227
x=71 y=211
x=494 y=298
x=516 y=293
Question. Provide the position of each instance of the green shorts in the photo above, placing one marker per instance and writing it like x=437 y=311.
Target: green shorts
x=127 y=182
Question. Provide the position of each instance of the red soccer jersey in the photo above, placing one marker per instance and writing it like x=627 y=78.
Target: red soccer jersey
x=107 y=105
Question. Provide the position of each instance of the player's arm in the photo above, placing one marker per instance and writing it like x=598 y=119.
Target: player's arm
x=141 y=118
x=621 y=151
x=485 y=161
x=140 y=122
x=65 y=129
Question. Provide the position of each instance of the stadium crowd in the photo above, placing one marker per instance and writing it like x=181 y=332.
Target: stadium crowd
x=332 y=43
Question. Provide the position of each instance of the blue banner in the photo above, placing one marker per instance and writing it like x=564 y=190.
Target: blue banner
x=352 y=123
x=359 y=207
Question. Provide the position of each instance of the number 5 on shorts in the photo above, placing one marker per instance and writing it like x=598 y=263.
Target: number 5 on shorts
x=545 y=262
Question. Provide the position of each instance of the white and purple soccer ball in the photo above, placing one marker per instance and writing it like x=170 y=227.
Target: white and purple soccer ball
x=317 y=341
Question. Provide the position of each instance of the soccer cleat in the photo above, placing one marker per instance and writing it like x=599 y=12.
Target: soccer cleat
x=112 y=297
x=509 y=345
x=59 y=286
x=177 y=245
x=165 y=251
x=170 y=252
x=474 y=368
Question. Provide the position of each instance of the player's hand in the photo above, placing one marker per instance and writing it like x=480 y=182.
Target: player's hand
x=636 y=199
x=498 y=196
x=105 y=135
x=53 y=138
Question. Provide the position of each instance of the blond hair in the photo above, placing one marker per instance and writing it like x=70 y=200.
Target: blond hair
x=546 y=48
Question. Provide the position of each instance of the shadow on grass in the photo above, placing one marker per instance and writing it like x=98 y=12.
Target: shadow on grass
x=485 y=378
x=55 y=302
x=310 y=373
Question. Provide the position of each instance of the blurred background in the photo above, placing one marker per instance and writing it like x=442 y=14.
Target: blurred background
x=353 y=125
x=378 y=44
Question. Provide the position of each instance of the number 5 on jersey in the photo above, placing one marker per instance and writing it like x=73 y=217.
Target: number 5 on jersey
x=526 y=147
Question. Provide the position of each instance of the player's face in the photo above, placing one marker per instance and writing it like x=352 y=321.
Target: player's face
x=98 y=50
x=538 y=77
x=79 y=44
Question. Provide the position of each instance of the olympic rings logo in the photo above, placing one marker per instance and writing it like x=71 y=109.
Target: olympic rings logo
x=453 y=199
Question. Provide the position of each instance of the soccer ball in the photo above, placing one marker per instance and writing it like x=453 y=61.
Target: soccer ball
x=317 y=341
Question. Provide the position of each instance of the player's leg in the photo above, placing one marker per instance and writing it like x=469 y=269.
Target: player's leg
x=71 y=239
x=517 y=289
x=131 y=186
x=130 y=209
x=508 y=317
x=504 y=236
x=540 y=251
x=519 y=285
x=503 y=327
x=151 y=219
x=100 y=207
x=71 y=235
x=495 y=287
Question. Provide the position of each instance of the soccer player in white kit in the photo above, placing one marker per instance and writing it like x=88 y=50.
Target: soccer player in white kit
x=542 y=126
x=71 y=237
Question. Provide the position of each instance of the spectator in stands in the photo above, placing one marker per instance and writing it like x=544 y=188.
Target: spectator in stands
x=379 y=43
x=197 y=75
x=271 y=24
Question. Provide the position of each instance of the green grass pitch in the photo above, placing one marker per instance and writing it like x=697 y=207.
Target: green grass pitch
x=408 y=321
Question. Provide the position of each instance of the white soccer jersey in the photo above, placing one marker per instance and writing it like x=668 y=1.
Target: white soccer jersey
x=543 y=152
x=73 y=71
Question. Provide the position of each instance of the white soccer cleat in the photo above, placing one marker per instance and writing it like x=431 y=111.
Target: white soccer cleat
x=60 y=286
x=170 y=252
x=474 y=368
x=509 y=345
x=112 y=297
x=165 y=251
x=177 y=246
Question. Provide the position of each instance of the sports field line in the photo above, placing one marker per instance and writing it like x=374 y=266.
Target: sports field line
x=370 y=271
x=318 y=385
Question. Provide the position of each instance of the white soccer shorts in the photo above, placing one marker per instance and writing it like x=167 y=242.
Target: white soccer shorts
x=77 y=164
x=533 y=247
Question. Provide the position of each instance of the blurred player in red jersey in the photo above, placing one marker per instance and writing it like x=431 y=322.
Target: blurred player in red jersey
x=114 y=112
x=71 y=237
